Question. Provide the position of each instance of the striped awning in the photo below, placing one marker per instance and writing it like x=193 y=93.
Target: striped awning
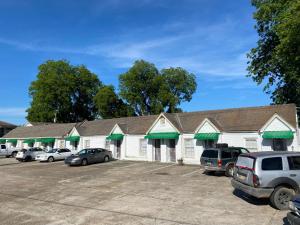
x=14 y=141
x=163 y=135
x=72 y=138
x=29 y=141
x=45 y=140
x=115 y=137
x=278 y=135
x=207 y=136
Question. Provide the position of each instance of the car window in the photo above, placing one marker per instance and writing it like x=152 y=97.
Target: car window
x=3 y=147
x=244 y=150
x=294 y=162
x=210 y=153
x=274 y=163
x=226 y=154
x=67 y=150
x=82 y=152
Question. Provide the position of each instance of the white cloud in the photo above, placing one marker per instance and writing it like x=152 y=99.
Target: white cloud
x=12 y=112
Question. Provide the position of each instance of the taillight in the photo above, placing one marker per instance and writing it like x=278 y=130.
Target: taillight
x=255 y=180
x=219 y=163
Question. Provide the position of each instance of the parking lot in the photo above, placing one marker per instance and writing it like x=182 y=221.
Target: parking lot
x=123 y=192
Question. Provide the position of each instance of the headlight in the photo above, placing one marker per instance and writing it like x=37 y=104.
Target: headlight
x=292 y=206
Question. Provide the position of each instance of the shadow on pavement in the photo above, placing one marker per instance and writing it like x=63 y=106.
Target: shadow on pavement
x=250 y=199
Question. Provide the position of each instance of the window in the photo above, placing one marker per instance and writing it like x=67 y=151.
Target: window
x=294 y=162
x=209 y=144
x=162 y=121
x=226 y=154
x=87 y=143
x=3 y=147
x=279 y=145
x=143 y=147
x=210 y=154
x=274 y=163
x=189 y=148
x=251 y=144
x=107 y=144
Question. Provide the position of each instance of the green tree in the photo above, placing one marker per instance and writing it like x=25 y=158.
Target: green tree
x=178 y=86
x=139 y=87
x=109 y=104
x=149 y=91
x=64 y=92
x=275 y=61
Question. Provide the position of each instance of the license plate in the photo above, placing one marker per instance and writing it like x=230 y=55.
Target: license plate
x=242 y=177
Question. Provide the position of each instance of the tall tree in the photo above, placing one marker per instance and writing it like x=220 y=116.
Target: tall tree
x=178 y=86
x=139 y=86
x=150 y=91
x=109 y=104
x=62 y=92
x=275 y=61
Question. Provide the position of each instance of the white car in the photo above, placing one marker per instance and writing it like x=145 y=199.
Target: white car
x=8 y=152
x=28 y=154
x=53 y=155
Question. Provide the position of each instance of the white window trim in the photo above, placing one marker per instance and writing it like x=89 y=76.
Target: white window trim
x=192 y=156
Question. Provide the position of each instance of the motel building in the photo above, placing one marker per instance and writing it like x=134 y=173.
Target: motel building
x=168 y=137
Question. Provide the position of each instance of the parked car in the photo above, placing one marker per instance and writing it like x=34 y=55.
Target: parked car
x=28 y=154
x=274 y=175
x=88 y=156
x=221 y=159
x=8 y=152
x=294 y=216
x=53 y=155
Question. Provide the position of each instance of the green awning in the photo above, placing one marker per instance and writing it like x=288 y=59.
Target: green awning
x=2 y=141
x=14 y=141
x=278 y=135
x=163 y=135
x=72 y=138
x=29 y=141
x=207 y=136
x=45 y=140
x=115 y=137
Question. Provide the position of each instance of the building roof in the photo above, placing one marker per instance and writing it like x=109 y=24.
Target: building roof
x=6 y=125
x=50 y=130
x=226 y=120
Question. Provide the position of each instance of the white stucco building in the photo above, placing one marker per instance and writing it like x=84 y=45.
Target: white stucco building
x=169 y=137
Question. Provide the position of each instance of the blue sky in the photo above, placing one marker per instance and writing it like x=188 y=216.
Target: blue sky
x=207 y=37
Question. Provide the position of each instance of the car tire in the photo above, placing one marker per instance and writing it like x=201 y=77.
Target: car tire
x=281 y=196
x=14 y=154
x=50 y=159
x=84 y=162
x=106 y=158
x=28 y=158
x=229 y=170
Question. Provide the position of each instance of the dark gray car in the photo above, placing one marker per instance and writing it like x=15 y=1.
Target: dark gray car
x=89 y=156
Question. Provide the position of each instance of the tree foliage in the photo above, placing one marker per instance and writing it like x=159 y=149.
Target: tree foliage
x=275 y=61
x=149 y=91
x=64 y=92
x=109 y=104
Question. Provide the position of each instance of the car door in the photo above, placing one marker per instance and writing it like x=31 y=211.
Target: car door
x=67 y=152
x=101 y=155
x=60 y=154
x=91 y=155
x=3 y=150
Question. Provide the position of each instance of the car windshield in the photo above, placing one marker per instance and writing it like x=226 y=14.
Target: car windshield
x=52 y=150
x=82 y=152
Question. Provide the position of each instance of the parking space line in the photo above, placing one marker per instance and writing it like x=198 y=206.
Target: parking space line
x=190 y=173
x=129 y=165
x=149 y=171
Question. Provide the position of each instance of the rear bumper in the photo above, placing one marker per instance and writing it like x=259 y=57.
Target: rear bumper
x=293 y=218
x=214 y=168
x=256 y=192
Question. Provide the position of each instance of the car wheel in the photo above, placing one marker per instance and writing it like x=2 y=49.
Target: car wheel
x=14 y=154
x=106 y=158
x=84 y=162
x=28 y=158
x=281 y=196
x=229 y=170
x=50 y=159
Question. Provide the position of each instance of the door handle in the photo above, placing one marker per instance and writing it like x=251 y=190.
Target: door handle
x=293 y=175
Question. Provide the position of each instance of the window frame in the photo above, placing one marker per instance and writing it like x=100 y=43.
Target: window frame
x=143 y=149
x=191 y=152
x=272 y=159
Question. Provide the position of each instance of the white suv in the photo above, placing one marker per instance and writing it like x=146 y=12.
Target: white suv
x=53 y=155
x=28 y=154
